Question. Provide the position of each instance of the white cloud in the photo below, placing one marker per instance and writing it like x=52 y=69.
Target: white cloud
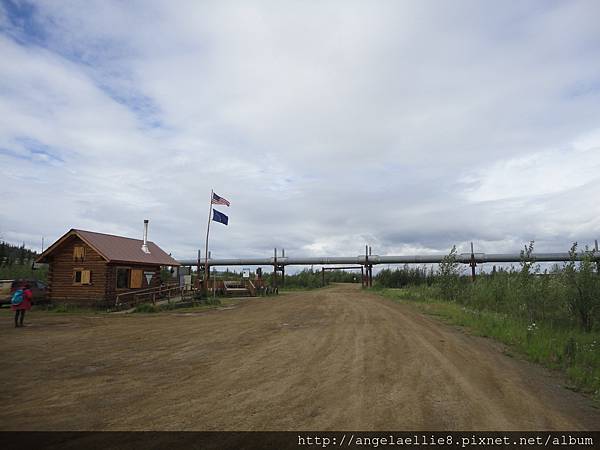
x=326 y=124
x=537 y=174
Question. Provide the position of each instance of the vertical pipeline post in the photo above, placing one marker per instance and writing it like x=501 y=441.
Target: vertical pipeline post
x=197 y=283
x=362 y=277
x=208 y=272
x=282 y=268
x=367 y=265
x=370 y=270
x=322 y=276
x=275 y=268
x=472 y=264
x=597 y=256
x=190 y=274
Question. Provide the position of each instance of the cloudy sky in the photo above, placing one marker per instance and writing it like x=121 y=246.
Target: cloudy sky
x=410 y=126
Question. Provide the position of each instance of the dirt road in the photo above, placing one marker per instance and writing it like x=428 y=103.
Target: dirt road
x=337 y=358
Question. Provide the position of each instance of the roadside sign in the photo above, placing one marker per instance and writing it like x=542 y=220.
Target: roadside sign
x=149 y=276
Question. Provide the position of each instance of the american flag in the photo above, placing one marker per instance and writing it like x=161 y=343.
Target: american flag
x=216 y=200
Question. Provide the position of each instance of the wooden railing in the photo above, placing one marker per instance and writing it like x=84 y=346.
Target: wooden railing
x=134 y=298
x=251 y=288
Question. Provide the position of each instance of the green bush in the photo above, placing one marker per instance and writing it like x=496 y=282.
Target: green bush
x=449 y=276
x=407 y=276
x=567 y=296
x=312 y=279
x=583 y=289
x=146 y=308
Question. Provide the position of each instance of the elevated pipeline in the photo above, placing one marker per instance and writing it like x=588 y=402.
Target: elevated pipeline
x=465 y=258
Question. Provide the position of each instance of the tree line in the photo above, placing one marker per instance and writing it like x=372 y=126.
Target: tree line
x=14 y=254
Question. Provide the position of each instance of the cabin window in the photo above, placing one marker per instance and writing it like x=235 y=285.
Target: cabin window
x=122 y=277
x=82 y=276
x=78 y=253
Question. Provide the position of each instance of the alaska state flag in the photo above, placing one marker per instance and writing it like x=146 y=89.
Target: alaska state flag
x=220 y=217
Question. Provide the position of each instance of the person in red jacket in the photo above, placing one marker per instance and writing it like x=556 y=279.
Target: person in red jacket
x=25 y=305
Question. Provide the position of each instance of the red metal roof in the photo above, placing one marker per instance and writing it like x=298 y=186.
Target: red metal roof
x=118 y=248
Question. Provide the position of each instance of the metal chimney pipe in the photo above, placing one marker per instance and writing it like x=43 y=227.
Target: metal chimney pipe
x=145 y=244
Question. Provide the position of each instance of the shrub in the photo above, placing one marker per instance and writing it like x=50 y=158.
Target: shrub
x=407 y=276
x=448 y=275
x=146 y=308
x=562 y=296
x=583 y=288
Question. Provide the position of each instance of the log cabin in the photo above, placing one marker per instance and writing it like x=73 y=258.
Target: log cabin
x=89 y=269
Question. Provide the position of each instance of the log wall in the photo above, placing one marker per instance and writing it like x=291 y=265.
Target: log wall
x=61 y=285
x=103 y=288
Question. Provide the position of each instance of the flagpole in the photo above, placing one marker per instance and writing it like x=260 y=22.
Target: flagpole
x=206 y=247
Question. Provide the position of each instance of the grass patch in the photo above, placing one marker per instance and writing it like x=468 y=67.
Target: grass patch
x=55 y=309
x=297 y=288
x=66 y=309
x=571 y=350
x=206 y=304
x=146 y=308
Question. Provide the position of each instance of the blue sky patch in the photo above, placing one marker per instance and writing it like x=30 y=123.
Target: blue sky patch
x=24 y=26
x=34 y=151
